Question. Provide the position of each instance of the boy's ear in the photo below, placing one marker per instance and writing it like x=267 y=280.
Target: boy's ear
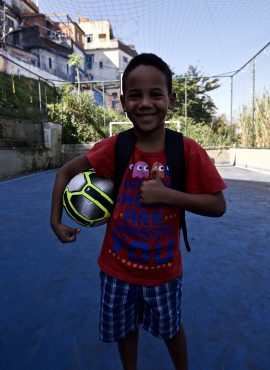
x=172 y=100
x=122 y=99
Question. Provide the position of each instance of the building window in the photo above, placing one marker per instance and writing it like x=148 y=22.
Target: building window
x=50 y=63
x=89 y=61
x=101 y=64
x=67 y=69
x=125 y=59
x=102 y=36
x=89 y=38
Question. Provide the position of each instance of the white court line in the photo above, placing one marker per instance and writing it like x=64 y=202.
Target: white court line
x=25 y=177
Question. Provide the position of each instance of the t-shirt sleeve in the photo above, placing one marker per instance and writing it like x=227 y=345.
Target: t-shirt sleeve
x=101 y=156
x=202 y=176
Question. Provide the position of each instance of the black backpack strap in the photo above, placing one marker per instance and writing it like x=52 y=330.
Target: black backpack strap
x=123 y=152
x=175 y=155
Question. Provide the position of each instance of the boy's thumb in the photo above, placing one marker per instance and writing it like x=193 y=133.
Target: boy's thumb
x=75 y=230
x=154 y=174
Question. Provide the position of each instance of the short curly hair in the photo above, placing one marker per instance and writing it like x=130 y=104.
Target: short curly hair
x=148 y=59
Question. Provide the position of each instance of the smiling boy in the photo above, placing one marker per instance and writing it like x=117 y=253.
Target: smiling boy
x=140 y=260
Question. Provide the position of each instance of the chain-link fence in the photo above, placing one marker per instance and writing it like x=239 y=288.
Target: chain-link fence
x=251 y=100
x=236 y=112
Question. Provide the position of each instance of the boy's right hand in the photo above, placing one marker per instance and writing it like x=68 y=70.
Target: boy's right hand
x=65 y=233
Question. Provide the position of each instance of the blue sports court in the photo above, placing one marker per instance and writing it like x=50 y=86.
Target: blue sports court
x=50 y=291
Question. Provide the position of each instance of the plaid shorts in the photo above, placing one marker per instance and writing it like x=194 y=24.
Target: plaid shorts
x=124 y=307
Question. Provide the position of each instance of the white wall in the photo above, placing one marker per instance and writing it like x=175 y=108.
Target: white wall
x=254 y=159
x=26 y=69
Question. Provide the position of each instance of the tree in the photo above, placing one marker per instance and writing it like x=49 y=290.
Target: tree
x=75 y=60
x=200 y=106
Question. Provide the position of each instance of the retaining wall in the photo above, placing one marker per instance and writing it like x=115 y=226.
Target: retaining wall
x=253 y=159
x=26 y=146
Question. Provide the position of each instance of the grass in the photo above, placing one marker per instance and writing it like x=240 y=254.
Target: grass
x=20 y=97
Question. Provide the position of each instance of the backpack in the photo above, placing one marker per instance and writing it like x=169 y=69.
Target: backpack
x=174 y=146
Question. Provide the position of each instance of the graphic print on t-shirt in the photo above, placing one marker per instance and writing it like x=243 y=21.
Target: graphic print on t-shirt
x=144 y=236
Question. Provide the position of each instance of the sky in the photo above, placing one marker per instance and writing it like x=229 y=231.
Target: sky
x=217 y=36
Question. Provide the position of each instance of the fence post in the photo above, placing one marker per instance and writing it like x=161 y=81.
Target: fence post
x=39 y=95
x=231 y=113
x=185 y=105
x=253 y=101
x=104 y=110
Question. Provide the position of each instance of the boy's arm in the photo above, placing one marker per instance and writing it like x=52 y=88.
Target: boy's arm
x=79 y=164
x=154 y=191
x=212 y=205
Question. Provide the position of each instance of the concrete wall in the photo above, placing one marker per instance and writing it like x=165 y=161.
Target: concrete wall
x=70 y=151
x=253 y=159
x=20 y=133
x=219 y=155
x=18 y=161
x=27 y=147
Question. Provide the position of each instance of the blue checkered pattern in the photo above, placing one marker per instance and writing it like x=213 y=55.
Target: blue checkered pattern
x=124 y=307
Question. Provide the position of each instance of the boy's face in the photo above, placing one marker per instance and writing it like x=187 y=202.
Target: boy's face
x=146 y=99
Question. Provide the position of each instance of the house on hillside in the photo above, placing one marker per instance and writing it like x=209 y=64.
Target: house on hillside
x=47 y=40
x=10 y=22
x=106 y=56
x=40 y=41
x=71 y=33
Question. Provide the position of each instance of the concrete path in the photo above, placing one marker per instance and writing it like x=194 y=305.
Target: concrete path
x=49 y=292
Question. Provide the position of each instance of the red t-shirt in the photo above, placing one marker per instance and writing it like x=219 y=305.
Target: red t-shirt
x=141 y=243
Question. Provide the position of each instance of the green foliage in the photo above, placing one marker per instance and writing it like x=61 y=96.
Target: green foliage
x=255 y=133
x=82 y=119
x=217 y=134
x=206 y=137
x=19 y=97
x=200 y=106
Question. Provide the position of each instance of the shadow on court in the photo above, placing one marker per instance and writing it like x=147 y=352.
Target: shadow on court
x=50 y=291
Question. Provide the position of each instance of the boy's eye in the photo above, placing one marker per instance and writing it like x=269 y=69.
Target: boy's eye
x=133 y=96
x=157 y=94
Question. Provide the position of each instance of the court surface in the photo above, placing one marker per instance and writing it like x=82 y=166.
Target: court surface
x=49 y=292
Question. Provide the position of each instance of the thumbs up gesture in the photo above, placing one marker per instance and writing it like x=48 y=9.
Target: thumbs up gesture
x=152 y=191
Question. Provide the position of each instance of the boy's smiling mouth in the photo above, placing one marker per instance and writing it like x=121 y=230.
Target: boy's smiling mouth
x=146 y=114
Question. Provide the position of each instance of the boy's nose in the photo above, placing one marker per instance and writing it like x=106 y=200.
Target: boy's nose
x=146 y=101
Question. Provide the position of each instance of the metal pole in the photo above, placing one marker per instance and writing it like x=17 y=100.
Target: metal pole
x=253 y=102
x=39 y=94
x=104 y=114
x=231 y=118
x=185 y=105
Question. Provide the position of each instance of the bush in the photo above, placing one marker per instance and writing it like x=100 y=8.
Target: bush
x=82 y=119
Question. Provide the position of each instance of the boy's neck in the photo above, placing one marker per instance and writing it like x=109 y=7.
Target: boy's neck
x=151 y=141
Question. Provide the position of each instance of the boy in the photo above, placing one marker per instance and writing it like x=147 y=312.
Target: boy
x=140 y=260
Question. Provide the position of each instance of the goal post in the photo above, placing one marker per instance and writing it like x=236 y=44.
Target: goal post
x=127 y=124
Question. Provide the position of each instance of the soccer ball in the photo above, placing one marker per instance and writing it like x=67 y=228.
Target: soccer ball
x=88 y=198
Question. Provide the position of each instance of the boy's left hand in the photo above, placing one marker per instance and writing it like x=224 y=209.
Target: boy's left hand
x=152 y=190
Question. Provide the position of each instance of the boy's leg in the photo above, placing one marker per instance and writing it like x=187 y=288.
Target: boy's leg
x=178 y=350
x=127 y=348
